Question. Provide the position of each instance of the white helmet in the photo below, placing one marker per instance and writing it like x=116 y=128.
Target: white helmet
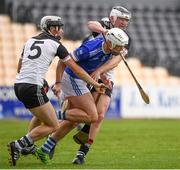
x=117 y=37
x=48 y=21
x=119 y=11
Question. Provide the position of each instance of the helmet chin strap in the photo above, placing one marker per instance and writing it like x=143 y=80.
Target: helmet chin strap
x=111 y=22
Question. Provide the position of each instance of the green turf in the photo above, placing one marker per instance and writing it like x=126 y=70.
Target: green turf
x=123 y=144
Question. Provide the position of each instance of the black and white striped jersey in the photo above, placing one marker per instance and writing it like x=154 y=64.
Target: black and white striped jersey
x=38 y=53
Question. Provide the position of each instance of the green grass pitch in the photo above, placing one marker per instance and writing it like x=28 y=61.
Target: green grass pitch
x=121 y=144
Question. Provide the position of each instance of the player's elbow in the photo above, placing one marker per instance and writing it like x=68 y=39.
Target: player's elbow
x=93 y=25
x=90 y=26
x=90 y=23
x=54 y=127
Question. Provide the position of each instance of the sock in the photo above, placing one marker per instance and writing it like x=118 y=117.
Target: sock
x=90 y=141
x=61 y=116
x=25 y=141
x=86 y=128
x=28 y=140
x=48 y=145
x=83 y=150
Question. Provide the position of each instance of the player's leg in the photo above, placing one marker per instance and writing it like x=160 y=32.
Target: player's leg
x=25 y=144
x=36 y=122
x=84 y=109
x=33 y=123
x=46 y=151
x=79 y=102
x=82 y=136
x=48 y=148
x=37 y=102
x=46 y=114
x=102 y=107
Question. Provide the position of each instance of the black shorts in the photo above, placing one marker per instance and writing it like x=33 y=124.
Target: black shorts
x=30 y=95
x=108 y=92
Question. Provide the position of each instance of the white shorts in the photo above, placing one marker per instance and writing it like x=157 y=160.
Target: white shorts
x=72 y=86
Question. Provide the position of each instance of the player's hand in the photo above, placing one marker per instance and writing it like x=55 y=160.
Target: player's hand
x=56 y=88
x=123 y=52
x=95 y=75
x=101 y=89
x=106 y=81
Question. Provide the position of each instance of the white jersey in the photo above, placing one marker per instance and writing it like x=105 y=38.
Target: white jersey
x=37 y=55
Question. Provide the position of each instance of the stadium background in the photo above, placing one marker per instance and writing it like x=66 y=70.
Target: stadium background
x=154 y=54
x=154 y=58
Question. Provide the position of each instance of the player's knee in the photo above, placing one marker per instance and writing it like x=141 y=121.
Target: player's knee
x=92 y=114
x=93 y=118
x=100 y=117
x=54 y=127
x=73 y=124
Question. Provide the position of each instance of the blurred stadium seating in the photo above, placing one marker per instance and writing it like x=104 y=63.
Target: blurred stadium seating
x=155 y=31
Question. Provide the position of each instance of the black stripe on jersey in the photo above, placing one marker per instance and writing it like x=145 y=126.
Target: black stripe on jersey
x=61 y=50
x=45 y=35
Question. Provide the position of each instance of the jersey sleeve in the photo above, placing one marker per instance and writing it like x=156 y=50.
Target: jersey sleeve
x=62 y=53
x=81 y=53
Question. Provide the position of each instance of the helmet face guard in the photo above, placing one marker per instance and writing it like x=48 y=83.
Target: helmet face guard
x=51 y=21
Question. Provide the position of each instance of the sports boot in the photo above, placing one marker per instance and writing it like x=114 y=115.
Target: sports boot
x=28 y=150
x=80 y=158
x=14 y=153
x=44 y=157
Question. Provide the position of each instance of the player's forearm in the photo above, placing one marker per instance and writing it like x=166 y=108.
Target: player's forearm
x=109 y=65
x=95 y=26
x=81 y=73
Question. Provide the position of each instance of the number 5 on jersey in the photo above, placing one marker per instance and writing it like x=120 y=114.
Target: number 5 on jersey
x=35 y=46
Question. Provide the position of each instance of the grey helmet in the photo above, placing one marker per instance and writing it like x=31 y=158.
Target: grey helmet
x=48 y=21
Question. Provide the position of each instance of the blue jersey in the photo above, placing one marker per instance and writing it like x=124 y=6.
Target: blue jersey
x=89 y=56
